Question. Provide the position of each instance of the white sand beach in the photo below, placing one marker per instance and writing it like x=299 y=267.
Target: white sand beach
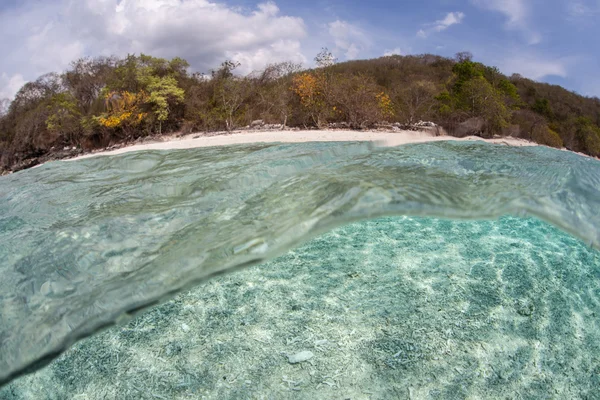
x=382 y=138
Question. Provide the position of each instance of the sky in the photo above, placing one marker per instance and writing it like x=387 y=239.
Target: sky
x=552 y=41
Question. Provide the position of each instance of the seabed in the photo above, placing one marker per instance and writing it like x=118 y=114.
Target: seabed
x=394 y=308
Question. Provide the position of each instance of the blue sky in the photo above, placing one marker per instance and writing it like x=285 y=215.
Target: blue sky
x=552 y=40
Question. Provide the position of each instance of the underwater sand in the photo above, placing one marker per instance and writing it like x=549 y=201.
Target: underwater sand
x=402 y=308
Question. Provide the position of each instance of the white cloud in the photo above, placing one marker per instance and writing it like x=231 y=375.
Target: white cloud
x=583 y=9
x=395 y=51
x=535 y=67
x=453 y=18
x=517 y=13
x=348 y=38
x=10 y=85
x=46 y=36
x=515 y=10
x=352 y=52
x=281 y=50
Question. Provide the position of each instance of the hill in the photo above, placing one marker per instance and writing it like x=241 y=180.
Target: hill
x=102 y=101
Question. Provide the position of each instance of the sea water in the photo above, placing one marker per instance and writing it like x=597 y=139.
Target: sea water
x=433 y=307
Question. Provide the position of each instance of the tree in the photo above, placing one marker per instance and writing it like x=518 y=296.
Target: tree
x=325 y=58
x=124 y=112
x=97 y=101
x=528 y=122
x=64 y=118
x=542 y=107
x=26 y=130
x=486 y=102
x=463 y=56
x=359 y=100
x=510 y=92
x=588 y=136
x=542 y=134
x=309 y=88
x=493 y=76
x=32 y=93
x=230 y=93
x=273 y=90
x=465 y=71
x=226 y=70
x=125 y=76
x=417 y=100
x=86 y=78
x=164 y=92
x=200 y=106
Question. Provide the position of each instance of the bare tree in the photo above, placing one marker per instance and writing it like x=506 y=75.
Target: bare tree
x=274 y=92
x=33 y=92
x=232 y=93
x=325 y=58
x=86 y=78
x=417 y=99
x=463 y=56
x=529 y=123
x=356 y=98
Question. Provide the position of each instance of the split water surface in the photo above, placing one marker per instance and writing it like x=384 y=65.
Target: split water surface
x=440 y=270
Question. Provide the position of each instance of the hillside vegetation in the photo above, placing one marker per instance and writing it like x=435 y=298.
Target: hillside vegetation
x=100 y=102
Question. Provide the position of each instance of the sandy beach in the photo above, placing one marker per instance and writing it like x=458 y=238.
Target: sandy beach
x=382 y=138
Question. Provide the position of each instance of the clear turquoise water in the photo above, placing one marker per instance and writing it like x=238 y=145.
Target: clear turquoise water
x=395 y=307
x=86 y=243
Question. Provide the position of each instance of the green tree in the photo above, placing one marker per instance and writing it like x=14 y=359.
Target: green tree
x=163 y=92
x=542 y=107
x=510 y=93
x=486 y=102
x=64 y=119
x=588 y=136
x=466 y=71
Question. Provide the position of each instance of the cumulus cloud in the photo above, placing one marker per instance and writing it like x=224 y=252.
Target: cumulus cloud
x=517 y=13
x=393 y=52
x=348 y=38
x=46 y=36
x=450 y=19
x=9 y=85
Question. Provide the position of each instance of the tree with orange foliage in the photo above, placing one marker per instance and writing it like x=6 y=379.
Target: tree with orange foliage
x=309 y=87
x=124 y=111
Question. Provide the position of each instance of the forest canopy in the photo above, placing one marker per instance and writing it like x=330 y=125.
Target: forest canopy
x=98 y=102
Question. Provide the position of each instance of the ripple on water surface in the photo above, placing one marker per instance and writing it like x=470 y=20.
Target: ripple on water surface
x=86 y=241
x=390 y=308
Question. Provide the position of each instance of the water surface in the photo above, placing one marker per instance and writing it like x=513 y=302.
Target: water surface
x=87 y=243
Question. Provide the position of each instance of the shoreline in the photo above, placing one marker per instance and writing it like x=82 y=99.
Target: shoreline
x=381 y=138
